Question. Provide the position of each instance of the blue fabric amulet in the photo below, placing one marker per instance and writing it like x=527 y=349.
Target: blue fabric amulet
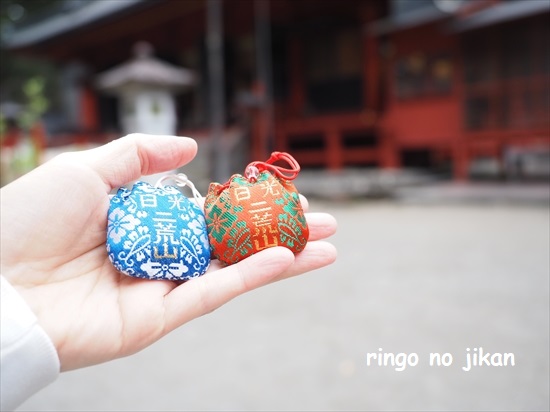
x=157 y=233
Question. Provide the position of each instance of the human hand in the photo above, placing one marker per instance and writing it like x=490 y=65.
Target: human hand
x=53 y=230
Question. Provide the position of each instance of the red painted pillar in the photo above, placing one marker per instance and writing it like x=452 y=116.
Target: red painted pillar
x=281 y=143
x=88 y=109
x=461 y=161
x=38 y=135
x=333 y=151
x=371 y=63
x=297 y=88
x=389 y=151
x=259 y=126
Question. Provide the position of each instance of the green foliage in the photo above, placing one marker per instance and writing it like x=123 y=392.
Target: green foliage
x=3 y=126
x=36 y=103
x=16 y=70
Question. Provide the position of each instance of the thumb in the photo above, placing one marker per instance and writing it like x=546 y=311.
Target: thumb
x=134 y=155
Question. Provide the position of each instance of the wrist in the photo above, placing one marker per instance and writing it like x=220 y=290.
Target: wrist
x=29 y=359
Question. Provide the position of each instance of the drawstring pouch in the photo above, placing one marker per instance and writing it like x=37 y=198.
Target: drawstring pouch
x=155 y=232
x=258 y=210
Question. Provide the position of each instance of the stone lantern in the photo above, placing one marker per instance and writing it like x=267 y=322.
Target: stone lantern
x=145 y=87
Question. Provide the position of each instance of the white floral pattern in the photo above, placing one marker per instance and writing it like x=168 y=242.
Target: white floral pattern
x=119 y=223
x=164 y=271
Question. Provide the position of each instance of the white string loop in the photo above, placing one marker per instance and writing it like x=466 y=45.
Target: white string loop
x=181 y=180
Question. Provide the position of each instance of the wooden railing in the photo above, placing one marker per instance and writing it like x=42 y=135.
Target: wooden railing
x=324 y=141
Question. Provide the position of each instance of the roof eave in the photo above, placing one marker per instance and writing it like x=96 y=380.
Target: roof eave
x=66 y=22
x=413 y=19
x=499 y=13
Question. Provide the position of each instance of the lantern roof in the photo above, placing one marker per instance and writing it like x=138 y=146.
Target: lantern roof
x=144 y=69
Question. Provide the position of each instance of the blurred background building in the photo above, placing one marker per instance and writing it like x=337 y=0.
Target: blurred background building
x=454 y=87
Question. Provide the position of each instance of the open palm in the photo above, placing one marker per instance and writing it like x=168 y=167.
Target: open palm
x=53 y=229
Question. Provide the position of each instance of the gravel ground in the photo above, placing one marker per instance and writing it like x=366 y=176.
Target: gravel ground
x=410 y=278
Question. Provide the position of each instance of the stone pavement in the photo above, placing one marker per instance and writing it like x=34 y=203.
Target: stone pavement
x=413 y=276
x=480 y=193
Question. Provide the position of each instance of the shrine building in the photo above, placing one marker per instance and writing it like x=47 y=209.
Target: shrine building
x=439 y=85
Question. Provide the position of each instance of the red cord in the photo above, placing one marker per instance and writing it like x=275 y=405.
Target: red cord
x=290 y=173
x=284 y=173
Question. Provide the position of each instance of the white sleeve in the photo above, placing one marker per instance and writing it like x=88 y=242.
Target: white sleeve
x=28 y=357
